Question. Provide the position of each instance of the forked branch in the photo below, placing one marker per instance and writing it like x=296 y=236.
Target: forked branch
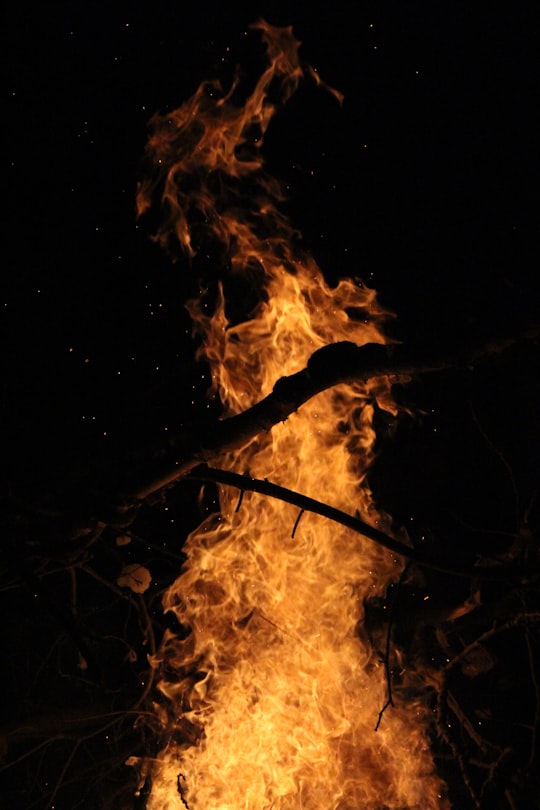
x=332 y=365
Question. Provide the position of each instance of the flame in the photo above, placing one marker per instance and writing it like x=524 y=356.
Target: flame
x=275 y=690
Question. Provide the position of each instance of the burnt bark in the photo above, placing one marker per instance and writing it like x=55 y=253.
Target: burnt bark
x=332 y=365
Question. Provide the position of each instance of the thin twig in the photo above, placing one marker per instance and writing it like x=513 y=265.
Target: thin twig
x=483 y=744
x=240 y=498
x=387 y=669
x=264 y=487
x=494 y=631
x=149 y=634
x=34 y=750
x=180 y=789
x=296 y=522
x=443 y=726
x=503 y=460
x=73 y=590
x=105 y=582
x=534 y=681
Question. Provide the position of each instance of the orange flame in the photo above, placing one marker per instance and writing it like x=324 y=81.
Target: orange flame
x=276 y=690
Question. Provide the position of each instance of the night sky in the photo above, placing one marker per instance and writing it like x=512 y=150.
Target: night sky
x=423 y=184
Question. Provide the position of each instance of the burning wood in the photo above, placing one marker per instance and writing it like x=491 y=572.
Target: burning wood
x=279 y=689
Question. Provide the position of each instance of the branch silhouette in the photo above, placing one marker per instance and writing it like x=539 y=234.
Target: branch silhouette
x=307 y=504
x=111 y=497
x=331 y=365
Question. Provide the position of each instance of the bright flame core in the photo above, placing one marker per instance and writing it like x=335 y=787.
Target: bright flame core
x=276 y=689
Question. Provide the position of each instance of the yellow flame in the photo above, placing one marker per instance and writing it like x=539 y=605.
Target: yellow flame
x=276 y=690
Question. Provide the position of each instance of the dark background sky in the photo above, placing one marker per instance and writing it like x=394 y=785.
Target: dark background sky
x=437 y=211
x=424 y=184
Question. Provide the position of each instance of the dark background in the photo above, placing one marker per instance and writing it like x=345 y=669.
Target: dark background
x=437 y=213
x=423 y=183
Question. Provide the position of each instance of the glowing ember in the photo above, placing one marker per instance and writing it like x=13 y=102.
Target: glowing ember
x=275 y=690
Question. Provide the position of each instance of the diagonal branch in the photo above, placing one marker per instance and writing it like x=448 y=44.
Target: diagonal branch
x=332 y=365
x=112 y=497
x=246 y=483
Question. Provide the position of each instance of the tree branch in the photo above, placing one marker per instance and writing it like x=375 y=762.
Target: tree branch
x=332 y=365
x=110 y=497
x=246 y=483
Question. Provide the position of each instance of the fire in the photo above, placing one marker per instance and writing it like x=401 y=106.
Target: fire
x=275 y=690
